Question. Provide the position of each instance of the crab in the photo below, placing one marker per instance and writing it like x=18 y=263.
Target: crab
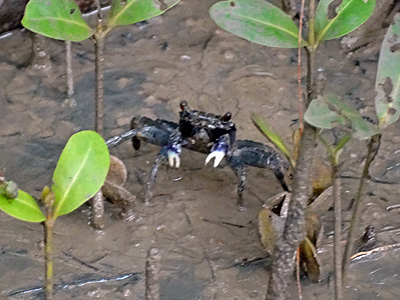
x=207 y=133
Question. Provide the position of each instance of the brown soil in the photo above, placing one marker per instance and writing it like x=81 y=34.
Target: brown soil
x=193 y=220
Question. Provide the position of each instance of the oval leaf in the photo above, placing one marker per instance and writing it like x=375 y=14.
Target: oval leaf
x=24 y=207
x=334 y=18
x=387 y=86
x=325 y=111
x=126 y=12
x=319 y=115
x=56 y=19
x=257 y=21
x=80 y=172
x=274 y=138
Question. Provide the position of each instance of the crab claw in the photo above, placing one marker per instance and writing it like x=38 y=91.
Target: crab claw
x=173 y=153
x=218 y=155
x=173 y=159
x=218 y=151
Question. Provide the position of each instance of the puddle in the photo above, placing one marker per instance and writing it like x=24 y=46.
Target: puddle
x=193 y=219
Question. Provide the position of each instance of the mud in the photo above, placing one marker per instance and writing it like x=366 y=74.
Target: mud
x=193 y=220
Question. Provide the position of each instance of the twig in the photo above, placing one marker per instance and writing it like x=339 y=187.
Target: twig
x=301 y=108
x=373 y=147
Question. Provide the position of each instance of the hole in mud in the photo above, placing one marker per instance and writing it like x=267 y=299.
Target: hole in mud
x=232 y=4
x=332 y=8
x=72 y=11
x=395 y=47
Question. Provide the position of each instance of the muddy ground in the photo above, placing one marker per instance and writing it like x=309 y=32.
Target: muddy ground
x=193 y=219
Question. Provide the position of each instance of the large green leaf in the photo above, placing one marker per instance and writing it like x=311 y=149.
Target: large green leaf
x=80 y=172
x=387 y=101
x=257 y=21
x=325 y=111
x=23 y=207
x=333 y=20
x=126 y=12
x=57 y=19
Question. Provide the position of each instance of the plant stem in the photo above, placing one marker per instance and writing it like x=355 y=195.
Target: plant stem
x=301 y=105
x=152 y=269
x=48 y=241
x=373 y=147
x=97 y=200
x=70 y=78
x=49 y=258
x=41 y=57
x=98 y=210
x=337 y=203
x=99 y=71
x=311 y=25
x=311 y=80
x=294 y=231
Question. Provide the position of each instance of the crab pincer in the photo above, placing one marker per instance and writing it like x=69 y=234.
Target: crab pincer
x=218 y=150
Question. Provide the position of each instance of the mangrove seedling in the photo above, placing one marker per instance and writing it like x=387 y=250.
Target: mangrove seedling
x=62 y=19
x=80 y=172
x=261 y=22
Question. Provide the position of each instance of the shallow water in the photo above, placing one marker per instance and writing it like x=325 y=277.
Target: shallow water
x=193 y=221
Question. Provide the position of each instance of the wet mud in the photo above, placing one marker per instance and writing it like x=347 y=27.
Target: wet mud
x=192 y=219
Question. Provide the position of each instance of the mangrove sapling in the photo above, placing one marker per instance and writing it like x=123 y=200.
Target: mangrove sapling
x=62 y=19
x=387 y=106
x=261 y=22
x=80 y=172
x=323 y=112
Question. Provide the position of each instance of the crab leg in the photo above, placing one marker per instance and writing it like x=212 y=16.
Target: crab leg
x=161 y=157
x=171 y=152
x=249 y=153
x=240 y=172
x=118 y=139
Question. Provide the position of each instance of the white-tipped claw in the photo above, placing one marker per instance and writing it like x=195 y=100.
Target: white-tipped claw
x=173 y=159
x=218 y=155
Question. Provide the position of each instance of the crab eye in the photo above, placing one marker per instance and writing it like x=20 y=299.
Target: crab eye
x=226 y=117
x=183 y=105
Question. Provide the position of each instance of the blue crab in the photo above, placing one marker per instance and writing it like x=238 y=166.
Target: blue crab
x=207 y=133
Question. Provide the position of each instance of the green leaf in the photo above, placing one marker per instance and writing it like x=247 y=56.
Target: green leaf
x=57 y=19
x=343 y=141
x=320 y=115
x=387 y=86
x=273 y=137
x=80 y=172
x=24 y=207
x=257 y=21
x=325 y=111
x=126 y=12
x=333 y=20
